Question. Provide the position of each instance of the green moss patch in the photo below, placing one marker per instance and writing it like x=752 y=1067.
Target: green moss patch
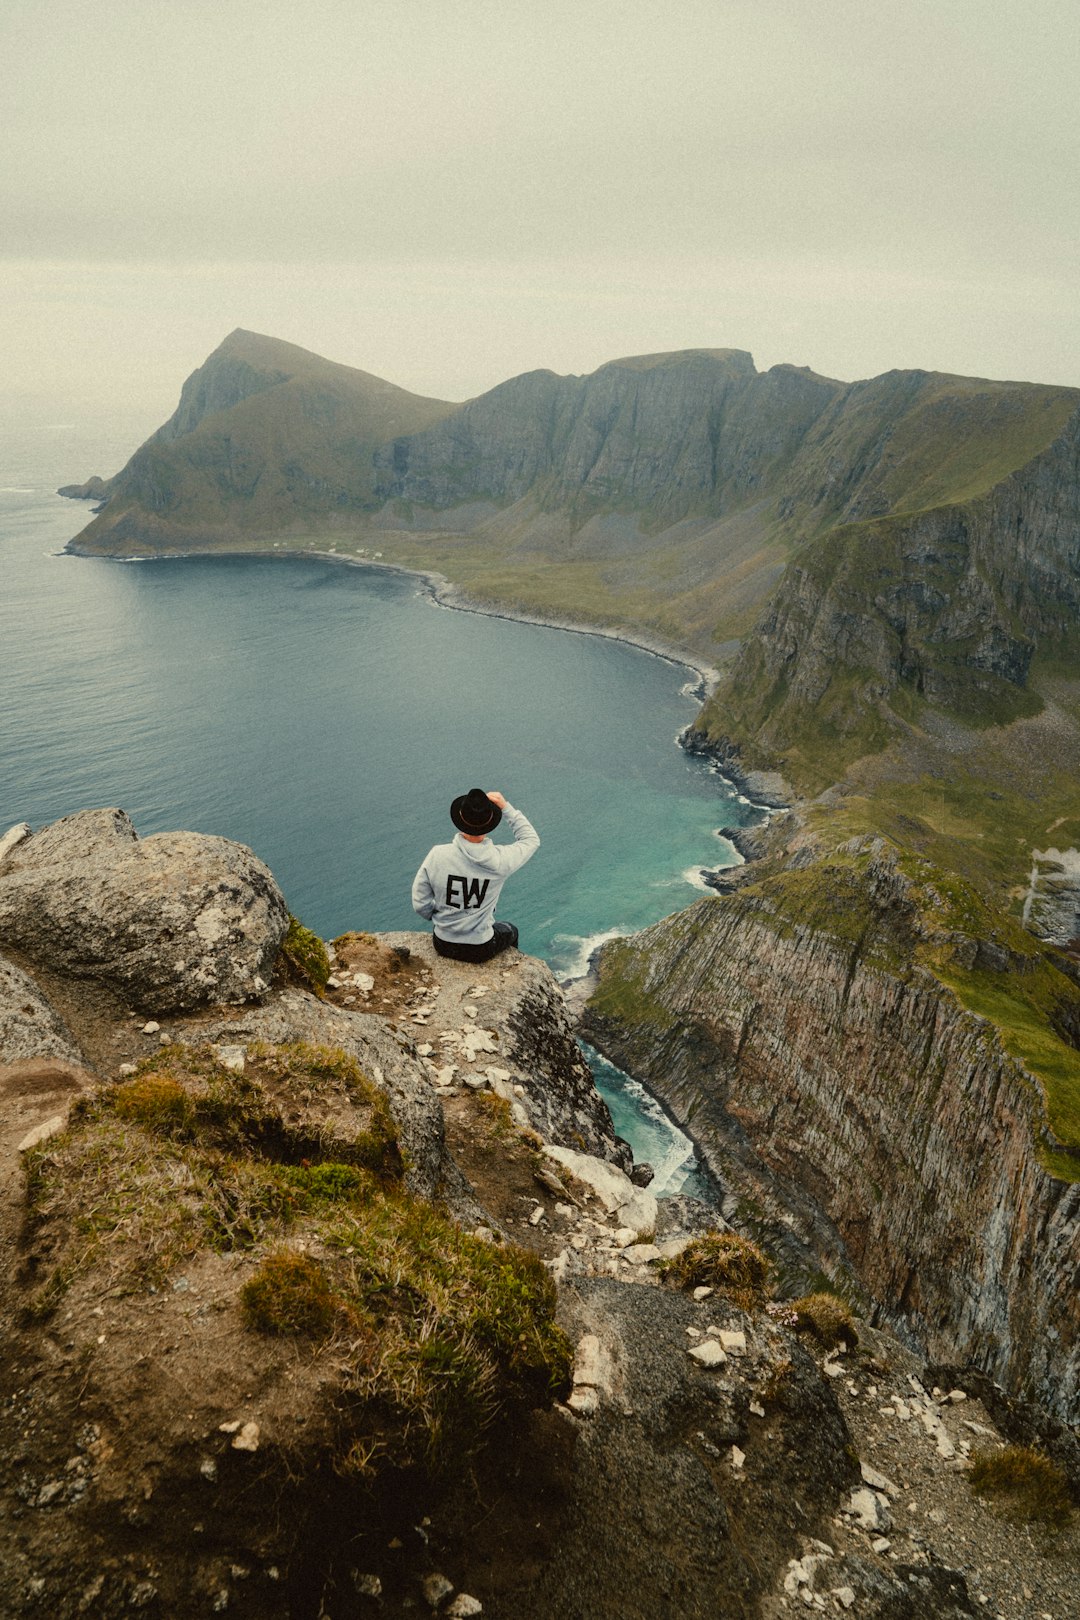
x=305 y=954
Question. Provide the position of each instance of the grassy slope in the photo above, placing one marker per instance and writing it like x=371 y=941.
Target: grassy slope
x=299 y=446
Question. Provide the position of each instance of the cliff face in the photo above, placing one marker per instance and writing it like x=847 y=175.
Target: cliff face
x=944 y=607
x=265 y=435
x=837 y=1083
x=697 y=432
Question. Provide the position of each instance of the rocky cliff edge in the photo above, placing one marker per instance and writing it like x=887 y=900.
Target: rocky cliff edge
x=282 y=1332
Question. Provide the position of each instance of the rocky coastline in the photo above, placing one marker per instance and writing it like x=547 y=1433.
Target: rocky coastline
x=194 y=1094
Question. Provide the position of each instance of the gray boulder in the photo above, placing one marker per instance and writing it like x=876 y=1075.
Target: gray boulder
x=170 y=922
x=29 y=1028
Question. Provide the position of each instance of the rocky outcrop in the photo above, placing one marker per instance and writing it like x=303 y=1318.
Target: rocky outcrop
x=1052 y=903
x=385 y=1056
x=29 y=1025
x=169 y=922
x=94 y=489
x=844 y=1091
x=503 y=1026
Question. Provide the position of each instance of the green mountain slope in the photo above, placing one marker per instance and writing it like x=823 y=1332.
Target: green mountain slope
x=665 y=492
x=266 y=436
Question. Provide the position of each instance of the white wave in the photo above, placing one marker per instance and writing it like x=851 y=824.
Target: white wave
x=695 y=876
x=15 y=489
x=675 y=1163
x=737 y=858
x=581 y=948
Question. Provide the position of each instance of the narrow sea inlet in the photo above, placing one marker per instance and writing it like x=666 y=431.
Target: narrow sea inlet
x=326 y=715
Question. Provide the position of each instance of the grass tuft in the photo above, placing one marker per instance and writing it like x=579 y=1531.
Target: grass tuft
x=1026 y=1482
x=289 y=1294
x=722 y=1260
x=827 y=1318
x=305 y=954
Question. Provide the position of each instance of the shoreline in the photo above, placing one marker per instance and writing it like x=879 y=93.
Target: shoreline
x=443 y=593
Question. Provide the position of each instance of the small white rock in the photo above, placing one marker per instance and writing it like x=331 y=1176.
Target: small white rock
x=151 y=1028
x=230 y=1057
x=709 y=1353
x=869 y=1509
x=464 y=1606
x=247 y=1439
x=702 y=1292
x=41 y=1133
x=844 y=1595
x=737 y=1457
x=957 y=1395
x=757 y=1409
x=876 y=1481
x=537 y=1215
x=734 y=1342
x=881 y=1544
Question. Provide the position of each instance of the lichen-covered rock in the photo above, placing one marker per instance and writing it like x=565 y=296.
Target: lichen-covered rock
x=170 y=922
x=29 y=1026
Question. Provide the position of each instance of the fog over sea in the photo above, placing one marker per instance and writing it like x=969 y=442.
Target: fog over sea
x=325 y=715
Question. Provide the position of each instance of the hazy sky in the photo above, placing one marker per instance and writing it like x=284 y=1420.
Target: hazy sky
x=446 y=192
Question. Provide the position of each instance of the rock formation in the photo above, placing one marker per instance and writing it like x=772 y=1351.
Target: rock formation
x=168 y=922
x=805 y=1028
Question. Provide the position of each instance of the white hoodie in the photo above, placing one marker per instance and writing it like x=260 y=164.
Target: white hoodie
x=458 y=884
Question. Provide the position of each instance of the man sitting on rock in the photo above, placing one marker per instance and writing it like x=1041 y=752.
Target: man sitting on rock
x=458 y=884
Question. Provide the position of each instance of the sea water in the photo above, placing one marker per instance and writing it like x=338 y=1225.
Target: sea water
x=325 y=715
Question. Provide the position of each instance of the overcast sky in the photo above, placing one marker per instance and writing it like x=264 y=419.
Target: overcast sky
x=447 y=192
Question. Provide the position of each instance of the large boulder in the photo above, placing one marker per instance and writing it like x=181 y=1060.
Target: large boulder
x=170 y=922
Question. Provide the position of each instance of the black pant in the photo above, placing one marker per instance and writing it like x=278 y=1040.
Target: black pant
x=504 y=936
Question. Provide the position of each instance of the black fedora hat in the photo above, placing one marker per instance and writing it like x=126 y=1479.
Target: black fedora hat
x=474 y=813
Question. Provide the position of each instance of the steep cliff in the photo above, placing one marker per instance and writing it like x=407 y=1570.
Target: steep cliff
x=886 y=1069
x=880 y=620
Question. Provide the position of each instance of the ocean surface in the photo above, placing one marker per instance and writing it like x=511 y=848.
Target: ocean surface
x=326 y=715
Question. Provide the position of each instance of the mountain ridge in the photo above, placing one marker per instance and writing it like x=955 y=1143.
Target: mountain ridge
x=664 y=491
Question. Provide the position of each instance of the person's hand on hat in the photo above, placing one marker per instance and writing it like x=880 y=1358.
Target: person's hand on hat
x=497 y=799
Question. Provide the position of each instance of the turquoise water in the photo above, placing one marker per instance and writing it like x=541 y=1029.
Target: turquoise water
x=326 y=715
